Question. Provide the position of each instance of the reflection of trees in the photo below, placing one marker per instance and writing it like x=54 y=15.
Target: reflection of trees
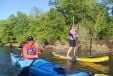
x=111 y=64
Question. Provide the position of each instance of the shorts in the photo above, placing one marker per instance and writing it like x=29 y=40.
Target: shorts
x=72 y=43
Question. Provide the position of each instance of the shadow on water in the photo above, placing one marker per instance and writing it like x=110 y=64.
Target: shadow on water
x=6 y=69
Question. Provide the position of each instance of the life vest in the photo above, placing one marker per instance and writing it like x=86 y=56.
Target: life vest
x=31 y=49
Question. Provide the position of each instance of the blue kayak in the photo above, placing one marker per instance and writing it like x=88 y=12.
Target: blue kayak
x=44 y=68
x=41 y=67
x=18 y=61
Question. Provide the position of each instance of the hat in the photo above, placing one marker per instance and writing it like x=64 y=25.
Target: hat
x=30 y=38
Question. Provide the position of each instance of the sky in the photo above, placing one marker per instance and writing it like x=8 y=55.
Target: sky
x=9 y=7
x=99 y=1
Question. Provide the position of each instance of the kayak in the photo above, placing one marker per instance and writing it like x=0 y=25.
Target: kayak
x=42 y=67
x=16 y=60
x=99 y=59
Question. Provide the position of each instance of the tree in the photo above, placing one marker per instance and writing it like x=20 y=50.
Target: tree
x=5 y=30
x=89 y=13
x=35 y=12
x=50 y=26
x=19 y=25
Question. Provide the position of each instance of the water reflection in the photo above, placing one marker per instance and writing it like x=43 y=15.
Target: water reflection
x=83 y=66
x=6 y=69
x=70 y=66
x=111 y=64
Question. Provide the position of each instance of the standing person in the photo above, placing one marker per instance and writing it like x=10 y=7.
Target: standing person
x=30 y=49
x=72 y=41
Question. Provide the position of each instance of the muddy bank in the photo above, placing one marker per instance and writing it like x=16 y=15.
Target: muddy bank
x=98 y=50
x=82 y=49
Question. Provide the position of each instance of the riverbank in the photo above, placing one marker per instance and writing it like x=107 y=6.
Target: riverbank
x=98 y=49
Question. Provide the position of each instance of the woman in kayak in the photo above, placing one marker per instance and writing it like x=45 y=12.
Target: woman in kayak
x=72 y=40
x=30 y=49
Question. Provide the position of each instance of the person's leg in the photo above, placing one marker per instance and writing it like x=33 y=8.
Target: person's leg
x=69 y=51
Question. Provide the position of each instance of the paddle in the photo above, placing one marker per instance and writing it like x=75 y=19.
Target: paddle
x=73 y=59
x=25 y=70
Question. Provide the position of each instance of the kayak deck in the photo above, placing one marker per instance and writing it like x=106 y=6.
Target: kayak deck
x=98 y=59
x=16 y=60
x=41 y=67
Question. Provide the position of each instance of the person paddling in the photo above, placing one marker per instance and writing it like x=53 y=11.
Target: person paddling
x=30 y=49
x=72 y=41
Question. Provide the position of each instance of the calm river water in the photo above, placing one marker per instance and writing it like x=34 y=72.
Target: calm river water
x=6 y=69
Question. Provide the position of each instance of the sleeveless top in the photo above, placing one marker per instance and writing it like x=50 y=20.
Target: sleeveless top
x=72 y=35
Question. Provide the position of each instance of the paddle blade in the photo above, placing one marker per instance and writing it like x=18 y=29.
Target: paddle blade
x=73 y=59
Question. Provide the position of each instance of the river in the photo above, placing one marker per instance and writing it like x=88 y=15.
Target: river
x=6 y=69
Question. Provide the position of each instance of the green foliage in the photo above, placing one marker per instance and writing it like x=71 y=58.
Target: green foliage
x=4 y=30
x=89 y=13
x=48 y=26
x=107 y=32
x=19 y=25
x=52 y=25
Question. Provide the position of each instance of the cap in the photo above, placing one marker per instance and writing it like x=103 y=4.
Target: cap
x=30 y=38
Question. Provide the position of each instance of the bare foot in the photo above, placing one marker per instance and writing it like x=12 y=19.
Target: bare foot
x=68 y=56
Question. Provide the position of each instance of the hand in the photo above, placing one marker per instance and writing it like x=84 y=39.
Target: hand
x=39 y=53
x=36 y=56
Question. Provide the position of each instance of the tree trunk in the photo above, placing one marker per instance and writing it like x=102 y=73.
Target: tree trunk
x=91 y=40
